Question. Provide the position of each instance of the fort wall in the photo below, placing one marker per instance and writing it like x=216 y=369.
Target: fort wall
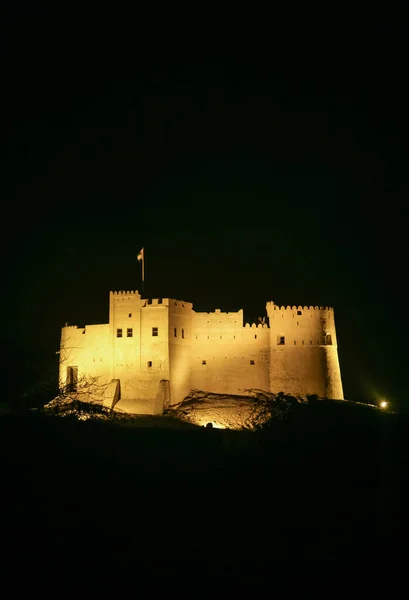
x=149 y=342
x=303 y=351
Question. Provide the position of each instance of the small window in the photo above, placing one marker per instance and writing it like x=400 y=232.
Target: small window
x=203 y=362
x=298 y=323
x=302 y=342
x=252 y=362
x=155 y=331
x=234 y=337
x=281 y=340
x=299 y=312
x=149 y=364
x=175 y=333
x=328 y=339
x=310 y=342
x=255 y=337
x=183 y=333
x=295 y=343
x=130 y=315
x=119 y=333
x=129 y=332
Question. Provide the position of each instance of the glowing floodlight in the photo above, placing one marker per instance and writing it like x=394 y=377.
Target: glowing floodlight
x=383 y=404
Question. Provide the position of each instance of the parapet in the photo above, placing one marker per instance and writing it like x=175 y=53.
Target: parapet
x=217 y=312
x=293 y=308
x=127 y=293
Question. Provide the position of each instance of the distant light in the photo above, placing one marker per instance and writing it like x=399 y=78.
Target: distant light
x=383 y=404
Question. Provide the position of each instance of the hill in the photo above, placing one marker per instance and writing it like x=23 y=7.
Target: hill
x=321 y=482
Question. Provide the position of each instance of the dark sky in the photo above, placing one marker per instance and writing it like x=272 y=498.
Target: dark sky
x=248 y=176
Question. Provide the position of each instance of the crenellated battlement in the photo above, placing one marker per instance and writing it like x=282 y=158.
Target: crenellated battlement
x=217 y=312
x=126 y=293
x=272 y=306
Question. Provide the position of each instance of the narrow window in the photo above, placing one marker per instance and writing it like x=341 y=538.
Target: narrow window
x=252 y=362
x=175 y=332
x=119 y=333
x=281 y=340
x=183 y=333
x=129 y=332
x=234 y=337
x=302 y=342
x=299 y=312
x=328 y=339
x=72 y=378
x=255 y=337
x=149 y=364
x=310 y=342
x=155 y=331
x=297 y=323
x=130 y=315
x=203 y=362
x=295 y=343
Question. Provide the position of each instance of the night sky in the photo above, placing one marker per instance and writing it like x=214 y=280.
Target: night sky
x=246 y=175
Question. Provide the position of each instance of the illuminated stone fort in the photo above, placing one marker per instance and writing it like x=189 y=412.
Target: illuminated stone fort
x=153 y=352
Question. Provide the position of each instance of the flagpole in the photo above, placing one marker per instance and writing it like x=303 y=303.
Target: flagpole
x=143 y=274
x=141 y=256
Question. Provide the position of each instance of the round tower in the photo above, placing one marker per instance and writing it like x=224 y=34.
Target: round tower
x=304 y=351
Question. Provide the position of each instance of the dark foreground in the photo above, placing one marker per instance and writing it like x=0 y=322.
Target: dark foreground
x=323 y=489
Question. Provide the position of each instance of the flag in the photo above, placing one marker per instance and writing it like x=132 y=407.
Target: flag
x=141 y=256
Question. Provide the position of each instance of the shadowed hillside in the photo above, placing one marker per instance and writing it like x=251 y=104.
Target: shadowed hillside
x=322 y=481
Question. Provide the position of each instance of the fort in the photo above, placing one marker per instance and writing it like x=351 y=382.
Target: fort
x=154 y=351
